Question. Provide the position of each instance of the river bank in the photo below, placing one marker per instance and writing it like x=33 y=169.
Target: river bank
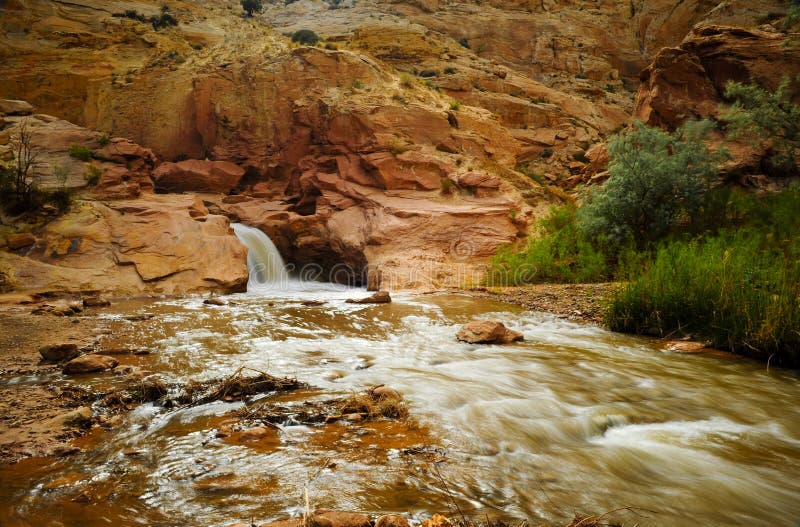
x=575 y=302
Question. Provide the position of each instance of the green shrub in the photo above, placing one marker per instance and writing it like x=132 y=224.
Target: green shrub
x=561 y=254
x=733 y=290
x=449 y=70
x=792 y=18
x=464 y=42
x=658 y=179
x=546 y=153
x=447 y=186
x=428 y=73
x=357 y=84
x=164 y=20
x=80 y=152
x=305 y=37
x=93 y=176
x=455 y=105
x=133 y=15
x=104 y=140
x=768 y=120
x=252 y=6
x=406 y=80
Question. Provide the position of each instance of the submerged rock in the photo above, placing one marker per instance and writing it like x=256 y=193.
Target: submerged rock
x=90 y=364
x=381 y=297
x=488 y=332
x=331 y=518
x=256 y=434
x=214 y=302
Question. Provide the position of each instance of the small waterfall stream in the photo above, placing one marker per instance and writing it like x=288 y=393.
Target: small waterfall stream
x=264 y=262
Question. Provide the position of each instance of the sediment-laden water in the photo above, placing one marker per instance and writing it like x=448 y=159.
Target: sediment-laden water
x=574 y=419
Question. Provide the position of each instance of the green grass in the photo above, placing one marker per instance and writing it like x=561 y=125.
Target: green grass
x=731 y=278
x=560 y=254
x=736 y=290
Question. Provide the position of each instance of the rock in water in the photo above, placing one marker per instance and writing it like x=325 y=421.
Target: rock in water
x=488 y=332
x=330 y=518
x=392 y=520
x=381 y=297
x=256 y=434
x=384 y=392
x=59 y=352
x=90 y=363
x=95 y=301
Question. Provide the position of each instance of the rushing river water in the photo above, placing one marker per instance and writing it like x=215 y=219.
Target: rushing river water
x=574 y=419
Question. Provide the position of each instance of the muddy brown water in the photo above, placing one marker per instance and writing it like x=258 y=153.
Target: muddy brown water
x=574 y=419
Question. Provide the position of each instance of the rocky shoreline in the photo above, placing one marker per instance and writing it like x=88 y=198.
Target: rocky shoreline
x=574 y=302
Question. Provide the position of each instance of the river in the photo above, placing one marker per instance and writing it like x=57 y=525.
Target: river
x=573 y=419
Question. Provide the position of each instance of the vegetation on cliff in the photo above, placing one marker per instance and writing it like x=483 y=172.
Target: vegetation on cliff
x=698 y=258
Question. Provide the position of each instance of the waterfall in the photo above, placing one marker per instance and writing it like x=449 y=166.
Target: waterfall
x=264 y=262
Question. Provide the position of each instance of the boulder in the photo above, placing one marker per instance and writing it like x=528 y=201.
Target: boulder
x=288 y=522
x=331 y=518
x=11 y=107
x=95 y=301
x=384 y=392
x=257 y=433
x=381 y=297
x=59 y=352
x=478 y=180
x=392 y=520
x=214 y=302
x=195 y=175
x=18 y=241
x=77 y=417
x=90 y=364
x=488 y=332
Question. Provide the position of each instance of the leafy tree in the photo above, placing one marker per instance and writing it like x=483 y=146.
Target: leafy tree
x=767 y=119
x=657 y=179
x=252 y=6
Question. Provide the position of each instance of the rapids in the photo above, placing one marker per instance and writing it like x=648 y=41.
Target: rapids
x=574 y=419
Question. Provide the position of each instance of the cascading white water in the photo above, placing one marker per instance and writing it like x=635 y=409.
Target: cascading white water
x=264 y=262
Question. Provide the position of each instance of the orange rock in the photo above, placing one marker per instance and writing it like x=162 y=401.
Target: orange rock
x=488 y=332
x=198 y=176
x=257 y=433
x=90 y=363
x=688 y=81
x=384 y=392
x=18 y=241
x=392 y=520
x=332 y=518
x=437 y=520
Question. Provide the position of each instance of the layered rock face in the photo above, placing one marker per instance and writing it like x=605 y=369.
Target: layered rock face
x=688 y=82
x=388 y=155
x=149 y=245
